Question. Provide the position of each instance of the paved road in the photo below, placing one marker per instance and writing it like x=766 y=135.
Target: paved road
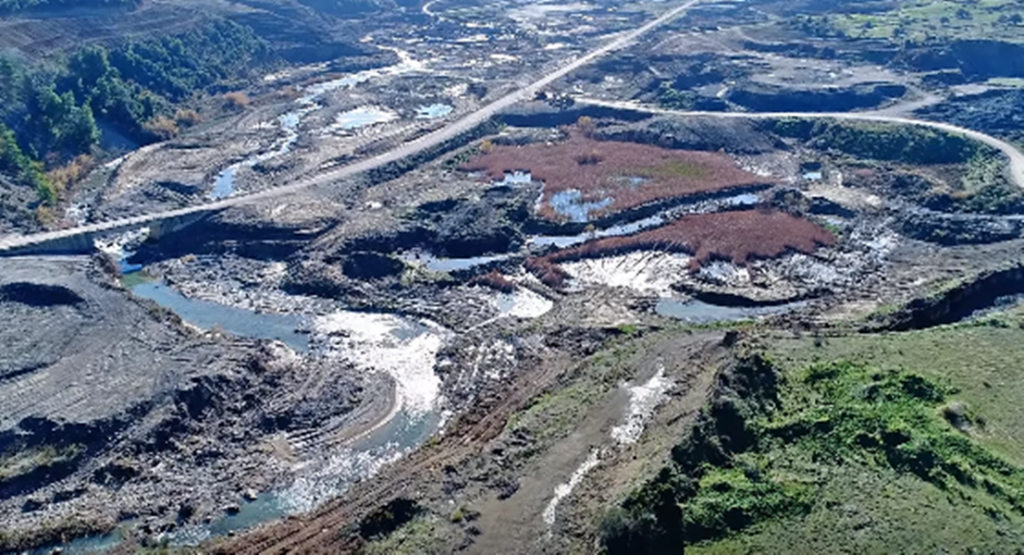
x=421 y=144
x=1015 y=156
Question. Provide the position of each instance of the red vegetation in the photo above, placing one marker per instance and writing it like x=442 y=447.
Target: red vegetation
x=606 y=169
x=737 y=236
x=495 y=281
x=547 y=271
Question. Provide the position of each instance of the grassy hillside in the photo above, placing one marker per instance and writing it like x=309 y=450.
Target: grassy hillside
x=893 y=443
x=920 y=20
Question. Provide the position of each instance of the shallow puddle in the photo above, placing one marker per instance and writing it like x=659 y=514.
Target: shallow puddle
x=361 y=117
x=434 y=111
x=570 y=204
x=224 y=185
x=699 y=312
x=436 y=264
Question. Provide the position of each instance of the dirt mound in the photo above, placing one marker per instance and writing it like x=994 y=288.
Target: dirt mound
x=37 y=294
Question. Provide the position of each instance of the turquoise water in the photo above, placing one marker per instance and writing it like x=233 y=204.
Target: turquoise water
x=434 y=111
x=563 y=241
x=314 y=484
x=357 y=462
x=224 y=185
x=698 y=312
x=746 y=199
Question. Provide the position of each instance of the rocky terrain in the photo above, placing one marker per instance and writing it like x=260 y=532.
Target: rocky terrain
x=582 y=326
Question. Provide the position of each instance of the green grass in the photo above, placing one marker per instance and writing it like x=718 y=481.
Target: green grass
x=984 y=363
x=985 y=188
x=410 y=539
x=867 y=510
x=23 y=462
x=921 y=19
x=891 y=443
x=870 y=456
x=732 y=498
x=629 y=329
x=554 y=414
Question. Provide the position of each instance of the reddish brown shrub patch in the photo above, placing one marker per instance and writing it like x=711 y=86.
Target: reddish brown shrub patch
x=547 y=271
x=630 y=174
x=737 y=236
x=495 y=281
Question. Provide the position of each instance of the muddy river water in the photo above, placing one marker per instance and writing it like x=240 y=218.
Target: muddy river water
x=404 y=348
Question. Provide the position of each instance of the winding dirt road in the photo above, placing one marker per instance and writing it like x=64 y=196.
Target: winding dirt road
x=1015 y=156
x=468 y=122
x=17 y=242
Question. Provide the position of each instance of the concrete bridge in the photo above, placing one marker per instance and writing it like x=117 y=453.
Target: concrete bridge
x=82 y=240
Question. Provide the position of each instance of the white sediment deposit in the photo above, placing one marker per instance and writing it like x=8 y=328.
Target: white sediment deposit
x=644 y=398
x=646 y=272
x=405 y=349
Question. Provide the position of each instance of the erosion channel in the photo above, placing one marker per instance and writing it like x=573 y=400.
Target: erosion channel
x=518 y=277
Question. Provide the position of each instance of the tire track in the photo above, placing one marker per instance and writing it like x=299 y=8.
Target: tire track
x=1013 y=154
x=415 y=146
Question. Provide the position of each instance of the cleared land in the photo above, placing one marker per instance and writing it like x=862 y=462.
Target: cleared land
x=611 y=176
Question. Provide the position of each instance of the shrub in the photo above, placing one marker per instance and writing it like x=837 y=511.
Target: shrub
x=630 y=174
x=187 y=117
x=586 y=126
x=731 y=500
x=162 y=127
x=457 y=516
x=237 y=100
x=65 y=176
x=495 y=280
x=735 y=235
x=590 y=158
x=388 y=518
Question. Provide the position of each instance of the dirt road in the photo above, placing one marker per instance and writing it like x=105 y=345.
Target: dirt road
x=1015 y=156
x=408 y=149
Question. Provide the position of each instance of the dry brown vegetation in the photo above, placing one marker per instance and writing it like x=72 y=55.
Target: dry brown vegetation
x=62 y=178
x=605 y=169
x=495 y=280
x=187 y=117
x=736 y=236
x=162 y=127
x=236 y=100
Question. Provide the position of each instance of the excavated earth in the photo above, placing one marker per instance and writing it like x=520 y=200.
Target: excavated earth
x=114 y=402
x=502 y=359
